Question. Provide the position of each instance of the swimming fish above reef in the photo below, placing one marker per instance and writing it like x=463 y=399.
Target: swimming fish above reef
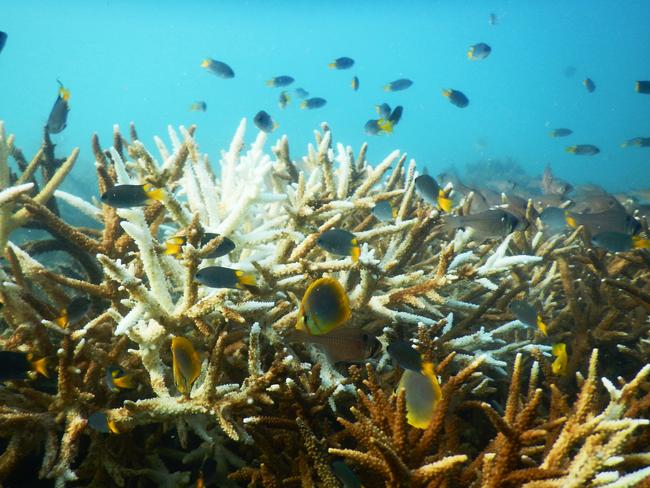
x=620 y=241
x=219 y=68
x=3 y=40
x=429 y=190
x=341 y=63
x=527 y=314
x=355 y=83
x=637 y=142
x=589 y=85
x=341 y=242
x=398 y=85
x=489 y=223
x=75 y=310
x=220 y=277
x=280 y=81
x=456 y=97
x=384 y=211
x=562 y=132
x=301 y=93
x=57 y=121
x=642 y=87
x=116 y=379
x=199 y=107
x=312 y=103
x=613 y=220
x=559 y=365
x=423 y=392
x=284 y=99
x=345 y=344
x=127 y=196
x=583 y=149
x=345 y=475
x=264 y=122
x=186 y=364
x=174 y=245
x=100 y=422
x=16 y=365
x=405 y=355
x=479 y=51
x=324 y=307
x=386 y=125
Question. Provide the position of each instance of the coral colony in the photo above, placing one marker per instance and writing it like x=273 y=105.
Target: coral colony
x=159 y=379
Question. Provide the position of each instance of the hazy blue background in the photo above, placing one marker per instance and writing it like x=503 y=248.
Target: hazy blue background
x=139 y=61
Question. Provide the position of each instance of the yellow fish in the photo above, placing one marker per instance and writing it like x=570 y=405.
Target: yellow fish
x=561 y=359
x=423 y=392
x=186 y=364
x=324 y=307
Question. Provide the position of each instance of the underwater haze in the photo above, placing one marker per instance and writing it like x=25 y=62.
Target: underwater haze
x=140 y=61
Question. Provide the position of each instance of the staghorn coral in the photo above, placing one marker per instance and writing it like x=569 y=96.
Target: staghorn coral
x=259 y=409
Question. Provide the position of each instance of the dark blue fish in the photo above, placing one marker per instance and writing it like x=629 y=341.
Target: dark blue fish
x=3 y=40
x=404 y=354
x=280 y=81
x=589 y=85
x=456 y=97
x=398 y=85
x=264 y=122
x=341 y=63
x=314 y=102
x=57 y=121
x=302 y=93
x=219 y=68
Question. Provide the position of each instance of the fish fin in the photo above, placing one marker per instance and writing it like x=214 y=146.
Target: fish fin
x=470 y=53
x=387 y=88
x=275 y=125
x=246 y=279
x=355 y=251
x=62 y=320
x=331 y=65
x=394 y=211
x=560 y=363
x=429 y=371
x=446 y=93
x=112 y=426
x=385 y=125
x=571 y=149
x=300 y=323
x=205 y=63
x=303 y=105
x=64 y=93
x=126 y=382
x=541 y=325
x=270 y=83
x=444 y=202
x=571 y=221
x=40 y=366
x=153 y=193
x=552 y=134
x=639 y=242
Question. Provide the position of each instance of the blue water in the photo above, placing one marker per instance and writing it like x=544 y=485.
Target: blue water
x=139 y=61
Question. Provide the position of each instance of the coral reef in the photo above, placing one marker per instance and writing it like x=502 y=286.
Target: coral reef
x=266 y=411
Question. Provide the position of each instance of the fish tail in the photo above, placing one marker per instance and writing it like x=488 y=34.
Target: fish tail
x=355 y=252
x=570 y=220
x=429 y=371
x=246 y=279
x=40 y=366
x=470 y=54
x=385 y=125
x=270 y=83
x=639 y=242
x=387 y=88
x=571 y=149
x=154 y=193
x=303 y=105
x=112 y=426
x=125 y=382
x=62 y=320
x=541 y=325
x=446 y=93
x=444 y=202
x=331 y=65
x=205 y=63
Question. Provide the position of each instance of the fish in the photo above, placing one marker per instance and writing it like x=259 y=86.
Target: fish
x=264 y=122
x=613 y=220
x=384 y=211
x=553 y=219
x=311 y=103
x=479 y=51
x=383 y=110
x=58 y=119
x=324 y=307
x=619 y=241
x=301 y=93
x=186 y=364
x=595 y=203
x=589 y=85
x=489 y=223
x=456 y=97
x=341 y=63
x=341 y=242
x=386 y=125
x=219 y=68
x=346 y=344
x=174 y=245
x=75 y=310
x=527 y=314
x=398 y=85
x=583 y=149
x=429 y=190
x=405 y=355
x=200 y=106
x=100 y=422
x=551 y=185
x=562 y=132
x=559 y=365
x=372 y=127
x=220 y=277
x=280 y=81
x=345 y=475
x=3 y=40
x=493 y=19
x=637 y=142
x=355 y=83
x=423 y=393
x=16 y=365
x=642 y=87
x=284 y=99
x=116 y=379
x=127 y=196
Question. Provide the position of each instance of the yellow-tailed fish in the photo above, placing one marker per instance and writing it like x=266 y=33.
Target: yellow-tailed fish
x=127 y=196
x=100 y=422
x=313 y=103
x=16 y=365
x=341 y=242
x=57 y=121
x=456 y=97
x=174 y=245
x=478 y=51
x=199 y=107
x=559 y=365
x=398 y=85
x=423 y=392
x=219 y=68
x=284 y=99
x=76 y=309
x=583 y=150
x=324 y=307
x=384 y=211
x=117 y=379
x=186 y=364
x=355 y=83
x=642 y=87
x=280 y=81
x=220 y=277
x=589 y=85
x=341 y=63
x=527 y=314
x=264 y=122
x=620 y=241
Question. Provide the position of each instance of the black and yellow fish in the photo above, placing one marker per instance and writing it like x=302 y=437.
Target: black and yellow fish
x=637 y=142
x=279 y=81
x=100 y=422
x=76 y=309
x=642 y=87
x=423 y=393
x=116 y=379
x=341 y=242
x=429 y=190
x=284 y=99
x=384 y=211
x=583 y=149
x=620 y=241
x=200 y=106
x=341 y=63
x=456 y=97
x=220 y=277
x=398 y=85
x=264 y=122
x=355 y=83
x=58 y=119
x=174 y=245
x=312 y=103
x=479 y=51
x=186 y=364
x=589 y=85
x=387 y=125
x=528 y=314
x=562 y=132
x=127 y=196
x=219 y=68
x=324 y=307
x=16 y=365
